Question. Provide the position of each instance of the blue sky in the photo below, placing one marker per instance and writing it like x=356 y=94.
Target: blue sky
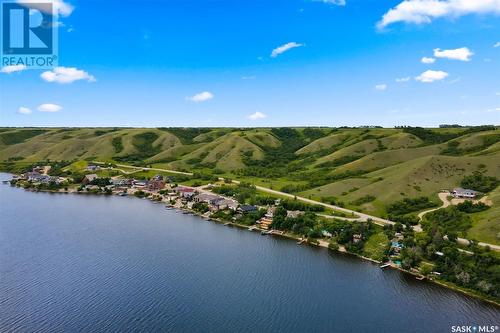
x=210 y=63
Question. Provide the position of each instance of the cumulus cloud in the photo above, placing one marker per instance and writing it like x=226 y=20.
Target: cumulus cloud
x=201 y=97
x=65 y=75
x=403 y=79
x=13 y=68
x=49 y=107
x=24 y=110
x=427 y=60
x=332 y=2
x=283 y=48
x=257 y=115
x=60 y=6
x=431 y=76
x=381 y=87
x=424 y=11
x=462 y=54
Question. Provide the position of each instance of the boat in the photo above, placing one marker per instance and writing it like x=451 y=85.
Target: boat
x=420 y=278
x=227 y=223
x=385 y=265
x=263 y=233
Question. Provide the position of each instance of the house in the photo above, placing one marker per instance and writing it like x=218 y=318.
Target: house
x=247 y=209
x=270 y=212
x=33 y=176
x=207 y=197
x=122 y=182
x=155 y=185
x=158 y=177
x=89 y=178
x=226 y=203
x=356 y=238
x=326 y=234
x=185 y=192
x=92 y=167
x=293 y=213
x=140 y=183
x=265 y=222
x=464 y=193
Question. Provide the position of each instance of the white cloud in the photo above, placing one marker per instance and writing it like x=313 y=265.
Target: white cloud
x=24 y=110
x=403 y=79
x=332 y=2
x=66 y=75
x=252 y=77
x=427 y=60
x=424 y=11
x=49 y=107
x=201 y=97
x=381 y=87
x=462 y=54
x=257 y=115
x=283 y=48
x=431 y=76
x=497 y=44
x=60 y=7
x=493 y=110
x=13 y=68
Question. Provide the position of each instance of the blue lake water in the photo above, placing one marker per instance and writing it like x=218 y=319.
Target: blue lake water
x=77 y=263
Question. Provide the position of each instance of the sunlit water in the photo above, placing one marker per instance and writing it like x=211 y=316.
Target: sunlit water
x=82 y=263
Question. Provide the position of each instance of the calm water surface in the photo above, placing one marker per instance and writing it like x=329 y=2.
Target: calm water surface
x=75 y=263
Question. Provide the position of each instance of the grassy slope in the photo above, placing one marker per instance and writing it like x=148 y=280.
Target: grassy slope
x=486 y=225
x=395 y=164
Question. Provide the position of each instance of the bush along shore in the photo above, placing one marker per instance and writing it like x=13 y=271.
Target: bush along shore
x=426 y=255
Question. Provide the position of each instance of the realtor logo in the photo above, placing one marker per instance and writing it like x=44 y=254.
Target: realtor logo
x=29 y=31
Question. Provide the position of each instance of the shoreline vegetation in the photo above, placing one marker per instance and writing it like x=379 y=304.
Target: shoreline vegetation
x=323 y=242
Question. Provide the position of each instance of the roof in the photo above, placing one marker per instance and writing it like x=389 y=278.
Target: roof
x=463 y=190
x=248 y=208
x=185 y=189
x=91 y=176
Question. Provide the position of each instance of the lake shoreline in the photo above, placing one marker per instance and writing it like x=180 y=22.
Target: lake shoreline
x=321 y=243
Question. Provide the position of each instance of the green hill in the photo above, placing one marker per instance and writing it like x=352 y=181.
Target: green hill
x=364 y=168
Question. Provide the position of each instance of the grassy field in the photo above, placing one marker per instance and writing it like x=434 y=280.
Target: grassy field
x=375 y=246
x=340 y=164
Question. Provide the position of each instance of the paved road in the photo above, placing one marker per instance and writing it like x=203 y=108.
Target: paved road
x=361 y=216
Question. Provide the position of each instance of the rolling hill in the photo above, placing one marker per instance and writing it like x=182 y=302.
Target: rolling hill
x=343 y=164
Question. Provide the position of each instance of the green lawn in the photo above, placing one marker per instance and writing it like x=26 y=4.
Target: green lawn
x=375 y=246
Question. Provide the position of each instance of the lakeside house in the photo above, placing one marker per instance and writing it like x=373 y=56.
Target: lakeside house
x=92 y=167
x=356 y=238
x=293 y=213
x=122 y=182
x=266 y=221
x=216 y=202
x=247 y=208
x=155 y=184
x=464 y=193
x=89 y=178
x=185 y=192
x=158 y=177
